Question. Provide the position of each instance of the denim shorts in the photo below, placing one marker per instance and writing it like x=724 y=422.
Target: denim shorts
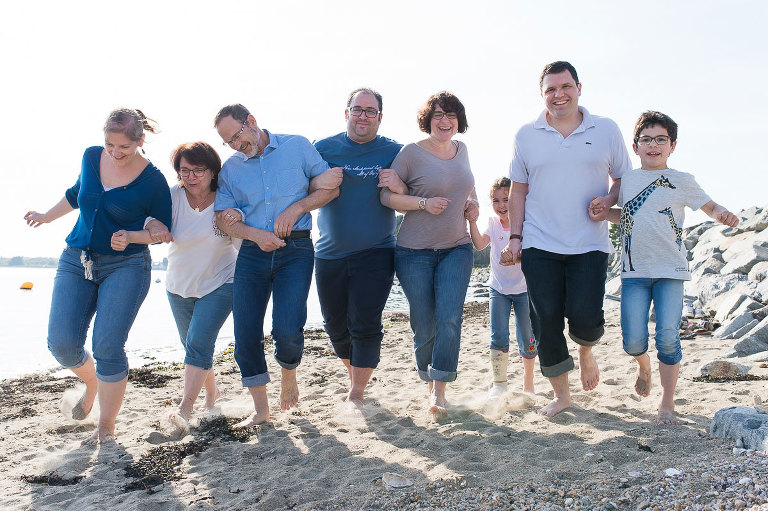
x=114 y=292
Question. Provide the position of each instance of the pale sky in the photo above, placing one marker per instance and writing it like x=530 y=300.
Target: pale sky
x=66 y=65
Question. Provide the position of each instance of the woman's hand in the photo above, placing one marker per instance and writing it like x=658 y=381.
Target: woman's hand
x=158 y=232
x=35 y=219
x=120 y=240
x=230 y=216
x=436 y=205
x=388 y=178
x=471 y=210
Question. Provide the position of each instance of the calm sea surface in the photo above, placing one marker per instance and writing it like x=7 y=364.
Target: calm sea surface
x=153 y=337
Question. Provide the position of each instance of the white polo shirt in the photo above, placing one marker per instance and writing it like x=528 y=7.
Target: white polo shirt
x=563 y=175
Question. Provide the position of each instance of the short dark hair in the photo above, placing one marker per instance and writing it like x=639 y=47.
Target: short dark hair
x=366 y=90
x=654 y=118
x=449 y=103
x=201 y=154
x=237 y=111
x=502 y=182
x=558 y=67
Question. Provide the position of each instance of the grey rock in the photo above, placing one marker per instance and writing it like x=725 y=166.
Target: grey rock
x=741 y=423
x=613 y=286
x=732 y=231
x=745 y=260
x=735 y=246
x=710 y=265
x=758 y=271
x=758 y=222
x=723 y=369
x=731 y=353
x=749 y=345
x=734 y=324
x=759 y=357
x=759 y=332
x=728 y=306
x=761 y=291
x=711 y=289
x=741 y=332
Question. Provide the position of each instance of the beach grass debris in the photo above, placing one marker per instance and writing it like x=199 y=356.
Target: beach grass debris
x=52 y=479
x=726 y=379
x=149 y=377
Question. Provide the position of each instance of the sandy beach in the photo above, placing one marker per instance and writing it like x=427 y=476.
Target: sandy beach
x=606 y=452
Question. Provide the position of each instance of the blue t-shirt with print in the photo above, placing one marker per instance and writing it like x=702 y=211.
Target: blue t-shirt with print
x=356 y=220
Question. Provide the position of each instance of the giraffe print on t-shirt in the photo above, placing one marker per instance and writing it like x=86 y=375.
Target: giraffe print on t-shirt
x=628 y=213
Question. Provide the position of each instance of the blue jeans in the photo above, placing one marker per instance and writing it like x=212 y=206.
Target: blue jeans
x=564 y=286
x=114 y=294
x=285 y=274
x=667 y=297
x=353 y=291
x=500 y=306
x=199 y=321
x=435 y=282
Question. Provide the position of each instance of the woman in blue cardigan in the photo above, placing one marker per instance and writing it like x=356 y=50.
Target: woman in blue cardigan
x=117 y=190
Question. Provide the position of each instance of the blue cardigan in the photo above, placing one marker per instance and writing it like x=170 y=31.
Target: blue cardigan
x=124 y=207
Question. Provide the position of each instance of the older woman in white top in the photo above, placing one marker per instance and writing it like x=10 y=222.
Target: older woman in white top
x=201 y=267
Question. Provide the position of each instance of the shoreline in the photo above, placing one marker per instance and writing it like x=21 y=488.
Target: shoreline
x=604 y=453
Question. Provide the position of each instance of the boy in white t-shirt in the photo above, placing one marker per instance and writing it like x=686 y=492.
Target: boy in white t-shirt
x=507 y=290
x=654 y=263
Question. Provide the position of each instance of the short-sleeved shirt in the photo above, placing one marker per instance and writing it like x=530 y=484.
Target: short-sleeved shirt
x=507 y=280
x=428 y=176
x=356 y=220
x=652 y=213
x=262 y=187
x=104 y=212
x=201 y=257
x=563 y=176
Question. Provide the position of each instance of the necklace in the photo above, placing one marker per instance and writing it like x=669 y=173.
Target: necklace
x=197 y=208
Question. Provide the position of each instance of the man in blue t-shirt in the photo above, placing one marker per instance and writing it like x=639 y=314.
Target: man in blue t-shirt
x=354 y=257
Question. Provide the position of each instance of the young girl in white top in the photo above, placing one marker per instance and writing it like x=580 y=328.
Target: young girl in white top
x=507 y=290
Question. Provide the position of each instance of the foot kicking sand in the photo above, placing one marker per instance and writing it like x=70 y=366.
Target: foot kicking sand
x=589 y=372
x=210 y=402
x=354 y=407
x=83 y=407
x=438 y=407
x=643 y=382
x=289 y=390
x=556 y=406
x=668 y=418
x=100 y=436
x=254 y=419
x=496 y=391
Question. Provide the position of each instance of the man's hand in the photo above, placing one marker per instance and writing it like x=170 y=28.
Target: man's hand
x=285 y=221
x=471 y=210
x=388 y=178
x=158 y=232
x=511 y=254
x=228 y=217
x=119 y=240
x=598 y=209
x=328 y=180
x=268 y=242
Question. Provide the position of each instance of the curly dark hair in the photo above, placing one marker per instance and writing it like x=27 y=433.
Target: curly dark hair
x=449 y=103
x=502 y=182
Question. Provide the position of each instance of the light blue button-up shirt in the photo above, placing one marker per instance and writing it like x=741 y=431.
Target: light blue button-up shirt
x=262 y=187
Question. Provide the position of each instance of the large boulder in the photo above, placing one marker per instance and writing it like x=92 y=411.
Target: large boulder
x=743 y=260
x=758 y=272
x=734 y=324
x=756 y=222
x=723 y=369
x=742 y=423
x=760 y=332
x=728 y=305
x=749 y=345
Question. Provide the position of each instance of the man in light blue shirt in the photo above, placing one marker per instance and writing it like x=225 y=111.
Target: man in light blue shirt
x=268 y=181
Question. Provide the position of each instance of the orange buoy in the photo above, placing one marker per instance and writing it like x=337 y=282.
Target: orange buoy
x=26 y=285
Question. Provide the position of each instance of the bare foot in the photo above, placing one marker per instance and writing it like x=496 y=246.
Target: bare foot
x=289 y=389
x=438 y=407
x=83 y=407
x=179 y=422
x=210 y=400
x=643 y=382
x=668 y=417
x=588 y=370
x=100 y=436
x=253 y=419
x=355 y=407
x=556 y=406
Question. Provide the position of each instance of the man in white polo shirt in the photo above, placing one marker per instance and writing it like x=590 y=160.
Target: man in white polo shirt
x=560 y=167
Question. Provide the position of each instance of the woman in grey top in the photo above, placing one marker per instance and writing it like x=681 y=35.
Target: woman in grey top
x=433 y=257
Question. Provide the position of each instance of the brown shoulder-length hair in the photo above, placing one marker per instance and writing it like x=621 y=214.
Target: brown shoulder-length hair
x=200 y=154
x=449 y=103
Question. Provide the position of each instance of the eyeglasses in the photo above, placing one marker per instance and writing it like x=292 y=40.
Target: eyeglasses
x=239 y=134
x=196 y=172
x=660 y=140
x=440 y=115
x=357 y=111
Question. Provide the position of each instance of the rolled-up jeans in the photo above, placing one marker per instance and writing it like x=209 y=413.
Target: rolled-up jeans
x=285 y=274
x=199 y=320
x=435 y=282
x=564 y=286
x=114 y=293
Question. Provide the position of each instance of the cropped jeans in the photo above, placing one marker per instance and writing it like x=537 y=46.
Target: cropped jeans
x=199 y=321
x=435 y=282
x=114 y=293
x=353 y=291
x=564 y=286
x=667 y=297
x=500 y=307
x=284 y=274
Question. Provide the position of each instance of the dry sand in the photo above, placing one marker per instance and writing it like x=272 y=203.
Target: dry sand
x=606 y=452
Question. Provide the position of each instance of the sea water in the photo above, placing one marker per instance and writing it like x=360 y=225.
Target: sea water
x=24 y=329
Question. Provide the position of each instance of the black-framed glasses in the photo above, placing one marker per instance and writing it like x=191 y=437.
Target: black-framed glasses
x=659 y=139
x=196 y=172
x=357 y=111
x=239 y=134
x=440 y=115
